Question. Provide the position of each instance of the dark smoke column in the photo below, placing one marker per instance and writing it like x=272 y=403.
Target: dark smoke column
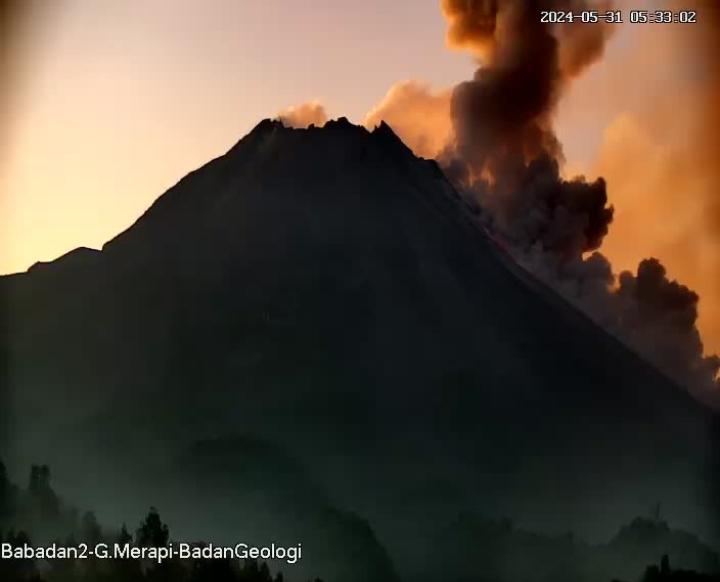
x=505 y=150
x=506 y=158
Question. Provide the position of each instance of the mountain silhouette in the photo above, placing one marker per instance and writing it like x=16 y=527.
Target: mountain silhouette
x=328 y=292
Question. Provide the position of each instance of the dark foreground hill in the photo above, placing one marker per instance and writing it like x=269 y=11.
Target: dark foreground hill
x=502 y=552
x=326 y=292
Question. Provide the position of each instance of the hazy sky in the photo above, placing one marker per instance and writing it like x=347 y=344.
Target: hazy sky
x=113 y=102
x=110 y=103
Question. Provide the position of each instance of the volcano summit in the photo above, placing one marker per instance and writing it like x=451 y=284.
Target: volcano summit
x=311 y=336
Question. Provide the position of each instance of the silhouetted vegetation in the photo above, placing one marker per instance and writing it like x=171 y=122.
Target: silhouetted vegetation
x=665 y=573
x=500 y=551
x=39 y=508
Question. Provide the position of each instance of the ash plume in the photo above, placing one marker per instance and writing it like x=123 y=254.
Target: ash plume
x=658 y=151
x=494 y=137
x=502 y=117
x=416 y=113
x=303 y=115
x=505 y=157
x=659 y=317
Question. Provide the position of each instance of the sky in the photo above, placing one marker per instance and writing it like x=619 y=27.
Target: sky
x=110 y=103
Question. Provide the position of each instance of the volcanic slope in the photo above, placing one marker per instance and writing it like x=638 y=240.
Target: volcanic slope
x=326 y=291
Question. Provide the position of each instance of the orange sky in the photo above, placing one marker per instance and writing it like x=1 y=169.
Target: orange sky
x=654 y=103
x=111 y=104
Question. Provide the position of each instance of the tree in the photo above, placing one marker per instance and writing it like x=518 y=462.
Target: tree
x=124 y=570
x=265 y=573
x=124 y=536
x=5 y=492
x=90 y=531
x=41 y=492
x=665 y=565
x=152 y=532
x=19 y=570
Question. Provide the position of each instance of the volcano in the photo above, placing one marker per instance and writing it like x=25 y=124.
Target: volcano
x=312 y=336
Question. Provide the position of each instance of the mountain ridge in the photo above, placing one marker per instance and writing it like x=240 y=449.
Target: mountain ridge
x=327 y=291
x=385 y=140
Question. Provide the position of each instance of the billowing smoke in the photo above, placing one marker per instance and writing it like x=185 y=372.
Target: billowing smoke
x=304 y=115
x=505 y=150
x=504 y=155
x=659 y=316
x=419 y=115
x=659 y=150
x=494 y=137
x=653 y=314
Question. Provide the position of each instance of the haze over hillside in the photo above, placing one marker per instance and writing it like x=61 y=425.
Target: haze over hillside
x=318 y=307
